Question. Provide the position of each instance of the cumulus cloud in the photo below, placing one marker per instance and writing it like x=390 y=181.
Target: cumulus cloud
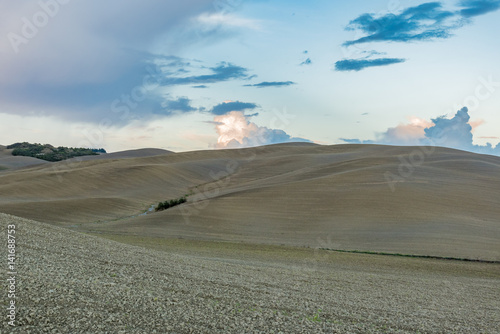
x=235 y=131
x=406 y=134
x=360 y=64
x=410 y=133
x=455 y=132
x=266 y=84
x=228 y=106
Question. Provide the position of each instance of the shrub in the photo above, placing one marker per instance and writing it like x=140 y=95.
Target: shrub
x=168 y=204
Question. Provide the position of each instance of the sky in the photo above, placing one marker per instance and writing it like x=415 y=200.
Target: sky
x=199 y=74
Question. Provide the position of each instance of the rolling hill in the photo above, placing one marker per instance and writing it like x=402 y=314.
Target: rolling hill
x=8 y=161
x=71 y=282
x=429 y=201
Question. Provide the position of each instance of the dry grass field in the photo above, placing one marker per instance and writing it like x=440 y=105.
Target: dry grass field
x=248 y=251
x=353 y=197
x=68 y=282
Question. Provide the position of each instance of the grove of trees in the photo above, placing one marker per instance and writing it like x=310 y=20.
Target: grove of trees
x=50 y=153
x=168 y=204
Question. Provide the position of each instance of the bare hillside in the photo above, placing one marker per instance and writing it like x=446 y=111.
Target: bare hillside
x=68 y=282
x=8 y=161
x=429 y=201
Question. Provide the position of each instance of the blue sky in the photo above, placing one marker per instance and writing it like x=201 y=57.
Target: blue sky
x=233 y=73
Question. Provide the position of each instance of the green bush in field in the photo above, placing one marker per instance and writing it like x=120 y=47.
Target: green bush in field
x=168 y=204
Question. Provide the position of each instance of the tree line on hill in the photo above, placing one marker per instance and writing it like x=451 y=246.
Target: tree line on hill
x=50 y=153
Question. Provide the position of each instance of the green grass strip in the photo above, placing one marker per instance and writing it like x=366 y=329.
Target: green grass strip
x=410 y=255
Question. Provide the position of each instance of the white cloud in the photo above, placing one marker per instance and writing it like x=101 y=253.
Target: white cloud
x=235 y=130
x=406 y=134
x=228 y=20
x=456 y=132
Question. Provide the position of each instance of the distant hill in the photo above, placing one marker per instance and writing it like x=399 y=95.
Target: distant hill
x=129 y=154
x=8 y=161
x=50 y=153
